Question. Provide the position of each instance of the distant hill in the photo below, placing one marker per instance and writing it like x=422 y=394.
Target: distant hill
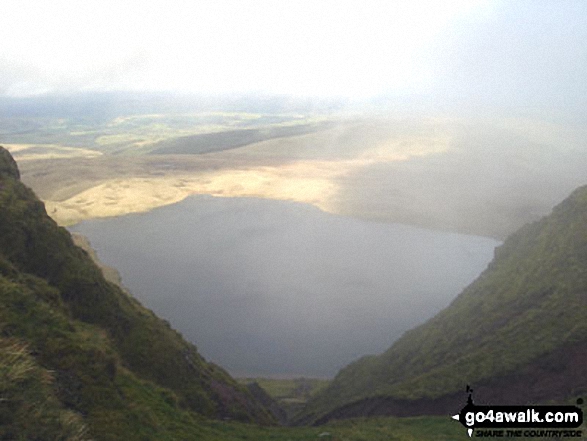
x=518 y=334
x=227 y=140
x=79 y=357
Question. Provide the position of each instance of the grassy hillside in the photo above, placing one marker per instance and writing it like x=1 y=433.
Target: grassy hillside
x=518 y=333
x=101 y=346
x=81 y=360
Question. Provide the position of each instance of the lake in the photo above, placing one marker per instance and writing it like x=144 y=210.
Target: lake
x=275 y=288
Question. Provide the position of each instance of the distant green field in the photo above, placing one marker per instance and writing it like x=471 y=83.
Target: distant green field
x=299 y=388
x=290 y=394
x=166 y=133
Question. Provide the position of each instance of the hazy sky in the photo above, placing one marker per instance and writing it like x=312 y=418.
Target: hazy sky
x=482 y=49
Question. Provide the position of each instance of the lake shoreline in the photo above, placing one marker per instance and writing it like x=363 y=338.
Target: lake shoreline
x=246 y=276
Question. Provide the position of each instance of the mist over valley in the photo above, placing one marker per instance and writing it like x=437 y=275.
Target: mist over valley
x=270 y=288
x=218 y=218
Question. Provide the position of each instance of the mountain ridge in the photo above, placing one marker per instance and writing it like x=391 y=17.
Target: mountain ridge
x=57 y=306
x=100 y=365
x=528 y=304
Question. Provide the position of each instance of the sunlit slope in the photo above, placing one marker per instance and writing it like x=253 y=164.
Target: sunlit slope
x=518 y=333
x=302 y=163
x=109 y=359
x=483 y=177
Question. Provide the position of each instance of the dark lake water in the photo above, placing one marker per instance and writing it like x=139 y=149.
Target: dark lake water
x=268 y=287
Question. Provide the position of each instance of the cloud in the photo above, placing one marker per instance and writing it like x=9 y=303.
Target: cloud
x=481 y=50
x=298 y=47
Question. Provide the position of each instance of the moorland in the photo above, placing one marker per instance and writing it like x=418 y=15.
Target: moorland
x=486 y=175
x=88 y=355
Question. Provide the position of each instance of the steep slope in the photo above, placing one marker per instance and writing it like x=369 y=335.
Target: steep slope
x=518 y=333
x=100 y=344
